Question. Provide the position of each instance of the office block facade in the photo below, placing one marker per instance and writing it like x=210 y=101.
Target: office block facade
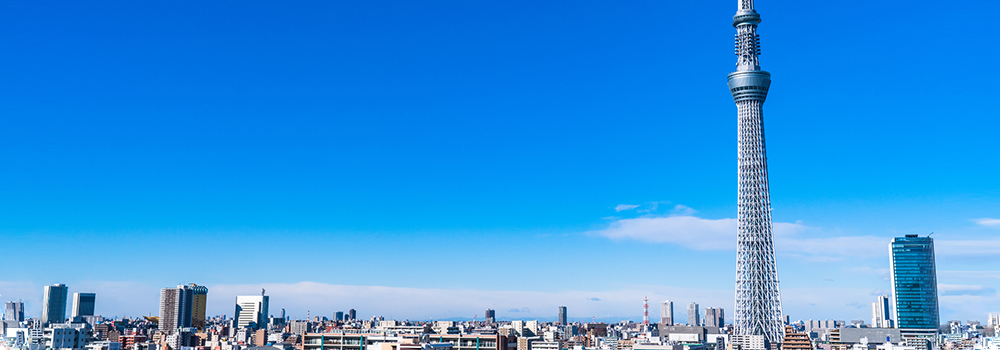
x=667 y=312
x=694 y=316
x=83 y=304
x=14 y=311
x=914 y=283
x=714 y=317
x=54 y=304
x=199 y=302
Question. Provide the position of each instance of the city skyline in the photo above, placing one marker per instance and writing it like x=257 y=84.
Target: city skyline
x=580 y=132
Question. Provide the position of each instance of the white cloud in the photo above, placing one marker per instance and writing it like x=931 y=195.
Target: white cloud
x=988 y=222
x=720 y=234
x=966 y=290
x=682 y=210
x=622 y=207
x=967 y=247
x=688 y=231
x=969 y=275
x=833 y=248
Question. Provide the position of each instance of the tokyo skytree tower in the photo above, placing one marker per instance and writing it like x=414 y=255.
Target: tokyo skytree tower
x=758 y=303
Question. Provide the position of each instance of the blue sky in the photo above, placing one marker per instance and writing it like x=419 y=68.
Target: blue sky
x=433 y=159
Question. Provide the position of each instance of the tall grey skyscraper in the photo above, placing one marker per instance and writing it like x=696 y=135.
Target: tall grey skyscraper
x=758 y=302
x=491 y=315
x=667 y=312
x=562 y=315
x=714 y=317
x=694 y=317
x=352 y=314
x=54 y=304
x=176 y=307
x=14 y=311
x=914 y=283
x=83 y=304
x=880 y=313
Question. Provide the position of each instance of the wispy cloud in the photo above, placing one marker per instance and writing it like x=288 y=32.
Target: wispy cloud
x=720 y=234
x=682 y=210
x=827 y=249
x=988 y=222
x=688 y=231
x=971 y=290
x=984 y=247
x=969 y=275
x=623 y=207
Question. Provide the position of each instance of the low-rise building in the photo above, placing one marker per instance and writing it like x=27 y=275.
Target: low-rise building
x=64 y=338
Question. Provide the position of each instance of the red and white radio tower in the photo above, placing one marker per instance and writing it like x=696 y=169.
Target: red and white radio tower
x=645 y=311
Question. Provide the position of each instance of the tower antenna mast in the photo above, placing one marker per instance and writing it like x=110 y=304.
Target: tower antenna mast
x=758 y=302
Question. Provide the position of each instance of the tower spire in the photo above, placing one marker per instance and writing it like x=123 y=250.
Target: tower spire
x=758 y=302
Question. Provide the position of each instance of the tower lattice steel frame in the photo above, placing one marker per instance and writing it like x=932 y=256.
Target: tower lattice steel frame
x=758 y=302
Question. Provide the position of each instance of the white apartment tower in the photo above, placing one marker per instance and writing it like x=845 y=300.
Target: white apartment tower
x=880 y=313
x=251 y=310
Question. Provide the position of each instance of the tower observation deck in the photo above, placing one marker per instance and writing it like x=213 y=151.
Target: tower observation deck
x=758 y=302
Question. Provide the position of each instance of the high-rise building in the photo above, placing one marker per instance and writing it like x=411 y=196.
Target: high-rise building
x=562 y=315
x=176 y=306
x=14 y=311
x=54 y=304
x=993 y=319
x=693 y=315
x=339 y=316
x=251 y=310
x=199 y=301
x=83 y=304
x=880 y=313
x=914 y=283
x=667 y=312
x=491 y=315
x=352 y=314
x=758 y=302
x=714 y=317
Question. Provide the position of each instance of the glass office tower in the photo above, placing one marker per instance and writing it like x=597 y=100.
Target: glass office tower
x=914 y=282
